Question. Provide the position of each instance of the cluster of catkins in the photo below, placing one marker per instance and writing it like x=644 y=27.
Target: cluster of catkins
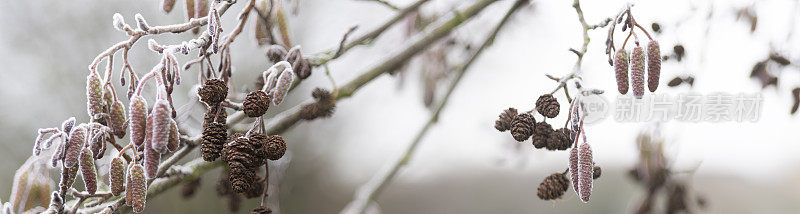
x=81 y=146
x=581 y=166
x=637 y=66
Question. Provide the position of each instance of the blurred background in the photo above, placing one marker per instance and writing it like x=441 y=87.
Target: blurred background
x=463 y=165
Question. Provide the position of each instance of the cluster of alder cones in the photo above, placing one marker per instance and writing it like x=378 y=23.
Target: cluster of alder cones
x=523 y=126
x=581 y=166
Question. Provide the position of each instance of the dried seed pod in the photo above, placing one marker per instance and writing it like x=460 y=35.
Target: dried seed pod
x=553 y=187
x=160 y=125
x=284 y=83
x=548 y=106
x=621 y=70
x=213 y=92
x=276 y=147
x=94 y=94
x=259 y=142
x=256 y=103
x=214 y=135
x=117 y=123
x=503 y=123
x=585 y=172
x=174 y=139
x=138 y=119
x=215 y=114
x=189 y=188
x=573 y=170
x=87 y=170
x=151 y=156
x=136 y=194
x=653 y=65
x=167 y=5
x=116 y=176
x=637 y=72
x=522 y=127
x=261 y=210
x=276 y=53
x=596 y=172
x=558 y=140
x=77 y=139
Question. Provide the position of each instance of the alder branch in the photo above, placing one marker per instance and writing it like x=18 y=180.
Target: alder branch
x=137 y=34
x=575 y=74
x=363 y=39
x=369 y=191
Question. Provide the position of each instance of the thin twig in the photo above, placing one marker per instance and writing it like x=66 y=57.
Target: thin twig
x=384 y=3
x=316 y=61
x=369 y=191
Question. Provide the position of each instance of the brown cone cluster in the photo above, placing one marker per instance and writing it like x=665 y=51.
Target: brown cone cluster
x=503 y=122
x=260 y=142
x=213 y=91
x=553 y=187
x=548 y=106
x=522 y=127
x=323 y=107
x=261 y=210
x=256 y=103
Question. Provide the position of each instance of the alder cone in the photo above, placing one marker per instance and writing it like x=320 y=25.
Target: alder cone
x=241 y=151
x=259 y=142
x=548 y=106
x=522 y=127
x=87 y=170
x=553 y=187
x=94 y=94
x=637 y=72
x=585 y=172
x=136 y=193
x=213 y=92
x=256 y=103
x=138 y=119
x=214 y=136
x=621 y=70
x=76 y=142
x=116 y=176
x=241 y=177
x=653 y=65
x=256 y=189
x=160 y=126
x=117 y=122
x=276 y=147
x=503 y=122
